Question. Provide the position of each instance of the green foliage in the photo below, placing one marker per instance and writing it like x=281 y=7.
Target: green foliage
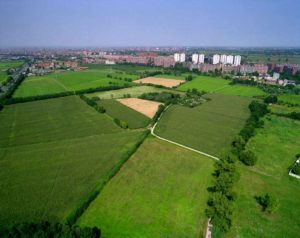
x=159 y=111
x=92 y=103
x=296 y=169
x=248 y=157
x=165 y=97
x=220 y=207
x=271 y=99
x=189 y=78
x=1 y=107
x=238 y=145
x=121 y=123
x=268 y=202
x=47 y=230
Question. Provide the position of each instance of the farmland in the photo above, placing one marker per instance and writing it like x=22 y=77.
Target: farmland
x=72 y=81
x=166 y=82
x=221 y=86
x=160 y=192
x=117 y=110
x=53 y=154
x=5 y=65
x=275 y=146
x=209 y=127
x=290 y=98
x=132 y=91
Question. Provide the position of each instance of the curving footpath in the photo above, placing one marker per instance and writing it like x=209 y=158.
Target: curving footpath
x=175 y=143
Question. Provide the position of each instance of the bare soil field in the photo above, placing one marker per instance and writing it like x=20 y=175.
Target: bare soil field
x=160 y=81
x=147 y=108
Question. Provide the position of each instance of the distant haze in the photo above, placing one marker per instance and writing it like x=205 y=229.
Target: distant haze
x=91 y=23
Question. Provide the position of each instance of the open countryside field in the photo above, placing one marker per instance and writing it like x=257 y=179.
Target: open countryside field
x=53 y=154
x=71 y=81
x=166 y=82
x=221 y=86
x=209 y=127
x=283 y=109
x=5 y=65
x=290 y=98
x=160 y=192
x=146 y=107
x=133 y=118
x=275 y=146
x=132 y=91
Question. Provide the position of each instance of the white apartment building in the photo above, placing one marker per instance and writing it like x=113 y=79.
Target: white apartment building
x=201 y=58
x=223 y=59
x=179 y=57
x=237 y=60
x=216 y=59
x=195 y=58
x=229 y=59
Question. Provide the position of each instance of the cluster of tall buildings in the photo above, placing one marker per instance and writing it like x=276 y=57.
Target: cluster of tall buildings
x=227 y=59
x=198 y=58
x=179 y=57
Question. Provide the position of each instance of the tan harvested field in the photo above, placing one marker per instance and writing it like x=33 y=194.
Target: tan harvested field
x=160 y=81
x=146 y=107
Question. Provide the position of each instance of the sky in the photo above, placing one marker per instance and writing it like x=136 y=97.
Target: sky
x=105 y=23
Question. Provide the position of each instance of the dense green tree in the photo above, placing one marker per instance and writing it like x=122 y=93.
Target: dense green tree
x=268 y=202
x=248 y=157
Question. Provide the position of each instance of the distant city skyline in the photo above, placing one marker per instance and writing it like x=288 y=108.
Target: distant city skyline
x=116 y=23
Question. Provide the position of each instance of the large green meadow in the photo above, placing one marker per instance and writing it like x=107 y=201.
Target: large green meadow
x=54 y=154
x=160 y=192
x=275 y=146
x=209 y=127
x=290 y=98
x=5 y=65
x=218 y=85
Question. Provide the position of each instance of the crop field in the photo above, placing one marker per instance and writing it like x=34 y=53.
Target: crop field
x=53 y=154
x=209 y=127
x=5 y=65
x=166 y=82
x=160 y=192
x=275 y=146
x=290 y=98
x=132 y=91
x=133 y=118
x=70 y=81
x=220 y=86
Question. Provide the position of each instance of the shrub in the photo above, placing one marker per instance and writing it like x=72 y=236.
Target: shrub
x=271 y=99
x=121 y=123
x=1 y=107
x=296 y=169
x=248 y=157
x=95 y=98
x=46 y=229
x=268 y=202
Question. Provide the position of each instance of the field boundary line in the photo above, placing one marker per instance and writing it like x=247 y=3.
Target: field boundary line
x=175 y=143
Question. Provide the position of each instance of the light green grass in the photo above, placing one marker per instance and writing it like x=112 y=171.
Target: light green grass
x=133 y=91
x=71 y=81
x=133 y=118
x=283 y=109
x=220 y=86
x=290 y=98
x=161 y=191
x=209 y=127
x=5 y=65
x=53 y=153
x=275 y=146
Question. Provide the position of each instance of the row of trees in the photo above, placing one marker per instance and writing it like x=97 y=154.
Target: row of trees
x=93 y=104
x=50 y=230
x=222 y=195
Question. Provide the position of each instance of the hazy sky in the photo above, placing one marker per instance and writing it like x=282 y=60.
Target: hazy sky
x=149 y=23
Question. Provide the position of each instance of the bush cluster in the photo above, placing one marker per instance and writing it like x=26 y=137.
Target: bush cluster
x=271 y=99
x=121 y=123
x=268 y=202
x=164 y=97
x=92 y=103
x=47 y=229
x=220 y=202
x=160 y=110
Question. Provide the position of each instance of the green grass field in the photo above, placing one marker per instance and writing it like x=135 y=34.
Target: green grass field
x=290 y=98
x=133 y=91
x=283 y=109
x=133 y=118
x=160 y=192
x=70 y=81
x=220 y=86
x=5 y=65
x=275 y=146
x=209 y=127
x=53 y=153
